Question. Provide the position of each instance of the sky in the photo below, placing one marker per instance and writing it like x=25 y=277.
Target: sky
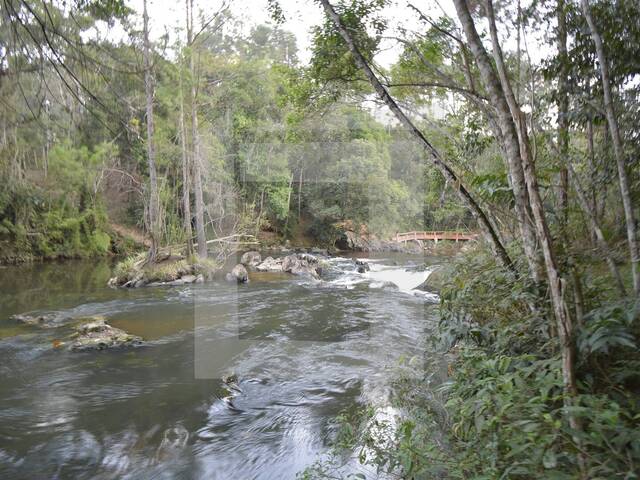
x=301 y=15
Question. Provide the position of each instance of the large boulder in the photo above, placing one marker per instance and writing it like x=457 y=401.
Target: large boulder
x=301 y=264
x=270 y=264
x=436 y=280
x=348 y=241
x=238 y=274
x=97 y=334
x=250 y=259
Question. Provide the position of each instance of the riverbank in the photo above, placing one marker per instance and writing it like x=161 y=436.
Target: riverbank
x=73 y=239
x=122 y=242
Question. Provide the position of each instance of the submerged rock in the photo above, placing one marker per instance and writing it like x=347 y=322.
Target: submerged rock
x=173 y=441
x=416 y=268
x=97 y=334
x=238 y=274
x=384 y=285
x=43 y=320
x=251 y=259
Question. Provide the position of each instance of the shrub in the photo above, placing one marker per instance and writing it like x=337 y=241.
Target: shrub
x=502 y=412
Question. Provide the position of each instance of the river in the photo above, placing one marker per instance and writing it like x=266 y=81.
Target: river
x=298 y=353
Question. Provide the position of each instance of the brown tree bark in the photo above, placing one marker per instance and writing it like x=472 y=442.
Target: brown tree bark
x=196 y=159
x=186 y=175
x=618 y=150
x=485 y=225
x=154 y=203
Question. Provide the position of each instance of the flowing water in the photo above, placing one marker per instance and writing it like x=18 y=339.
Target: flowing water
x=300 y=352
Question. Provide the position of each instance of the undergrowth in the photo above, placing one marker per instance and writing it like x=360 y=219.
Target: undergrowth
x=500 y=412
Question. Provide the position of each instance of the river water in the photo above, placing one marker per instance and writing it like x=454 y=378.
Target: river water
x=294 y=354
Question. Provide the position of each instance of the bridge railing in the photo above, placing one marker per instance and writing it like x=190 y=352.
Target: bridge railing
x=435 y=235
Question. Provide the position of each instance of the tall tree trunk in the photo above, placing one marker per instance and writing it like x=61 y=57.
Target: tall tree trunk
x=563 y=115
x=591 y=162
x=196 y=159
x=300 y=193
x=154 y=204
x=618 y=150
x=592 y=167
x=485 y=225
x=597 y=231
x=186 y=175
x=286 y=223
x=511 y=148
x=557 y=285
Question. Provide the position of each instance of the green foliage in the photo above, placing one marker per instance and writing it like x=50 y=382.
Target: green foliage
x=52 y=226
x=128 y=268
x=607 y=328
x=331 y=61
x=501 y=410
x=494 y=187
x=167 y=271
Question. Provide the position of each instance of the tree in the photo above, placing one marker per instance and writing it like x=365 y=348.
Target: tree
x=512 y=119
x=480 y=216
x=618 y=149
x=154 y=200
x=196 y=159
x=186 y=171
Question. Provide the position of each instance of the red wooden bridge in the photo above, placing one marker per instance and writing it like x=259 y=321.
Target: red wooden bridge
x=435 y=235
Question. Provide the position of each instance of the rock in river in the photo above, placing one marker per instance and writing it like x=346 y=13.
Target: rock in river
x=301 y=264
x=270 y=264
x=43 y=320
x=250 y=259
x=238 y=274
x=362 y=266
x=97 y=334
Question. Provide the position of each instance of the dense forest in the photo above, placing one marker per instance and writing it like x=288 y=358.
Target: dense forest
x=244 y=139
x=516 y=120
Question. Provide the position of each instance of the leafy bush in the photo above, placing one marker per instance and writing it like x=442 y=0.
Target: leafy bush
x=502 y=412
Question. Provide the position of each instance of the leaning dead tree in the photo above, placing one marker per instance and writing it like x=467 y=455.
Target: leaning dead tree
x=488 y=230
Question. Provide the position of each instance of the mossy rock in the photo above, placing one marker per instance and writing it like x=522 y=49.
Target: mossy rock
x=436 y=280
x=95 y=333
x=170 y=271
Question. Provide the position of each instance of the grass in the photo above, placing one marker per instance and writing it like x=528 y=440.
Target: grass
x=173 y=268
